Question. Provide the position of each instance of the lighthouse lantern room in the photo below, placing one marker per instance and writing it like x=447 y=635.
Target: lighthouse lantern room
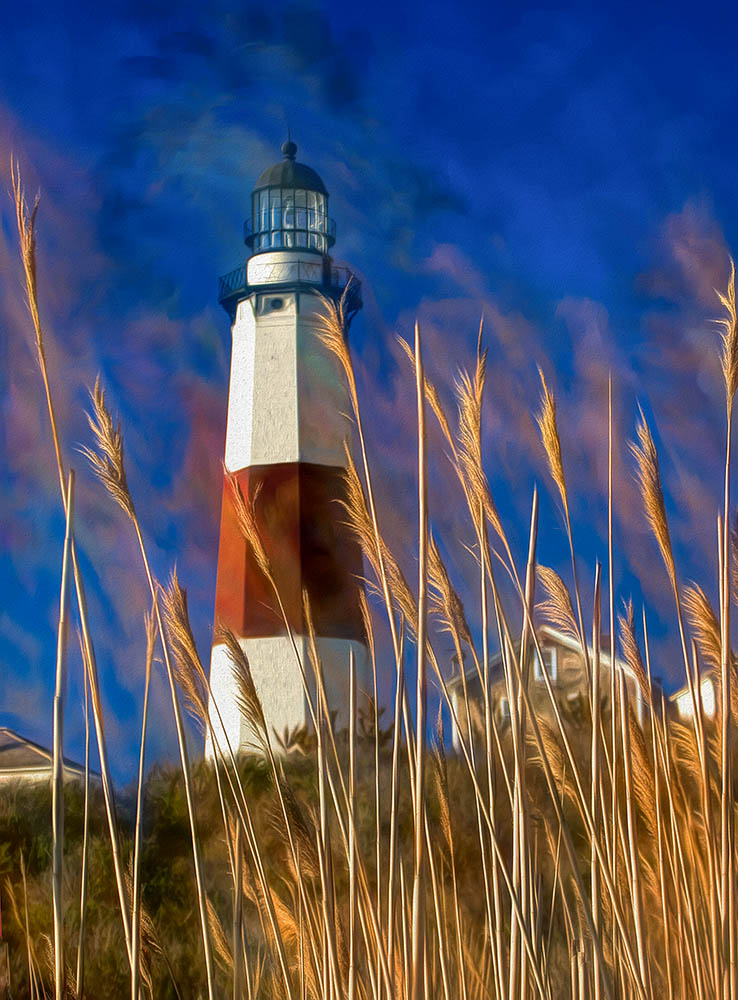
x=287 y=423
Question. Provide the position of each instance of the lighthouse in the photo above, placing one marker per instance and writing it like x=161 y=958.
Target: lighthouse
x=287 y=423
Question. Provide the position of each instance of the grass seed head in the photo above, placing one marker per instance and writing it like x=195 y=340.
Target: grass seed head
x=445 y=602
x=631 y=650
x=729 y=324
x=469 y=395
x=333 y=326
x=648 y=475
x=187 y=665
x=26 y=222
x=217 y=934
x=106 y=457
x=548 y=427
x=247 y=697
x=557 y=609
x=247 y=522
x=704 y=624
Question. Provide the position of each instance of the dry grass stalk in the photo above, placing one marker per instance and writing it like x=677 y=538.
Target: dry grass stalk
x=136 y=866
x=35 y=985
x=418 y=940
x=454 y=617
x=57 y=779
x=434 y=401
x=80 y=972
x=636 y=896
x=369 y=633
x=352 y=957
x=729 y=361
x=614 y=806
x=324 y=732
x=107 y=784
x=596 y=771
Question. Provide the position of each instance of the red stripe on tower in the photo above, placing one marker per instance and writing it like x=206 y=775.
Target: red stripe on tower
x=298 y=514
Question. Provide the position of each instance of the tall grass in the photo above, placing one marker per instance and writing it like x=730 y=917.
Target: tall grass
x=553 y=855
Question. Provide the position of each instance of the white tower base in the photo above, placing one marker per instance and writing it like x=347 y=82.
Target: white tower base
x=280 y=687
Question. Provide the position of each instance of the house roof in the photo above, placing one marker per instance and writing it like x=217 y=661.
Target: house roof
x=19 y=754
x=547 y=635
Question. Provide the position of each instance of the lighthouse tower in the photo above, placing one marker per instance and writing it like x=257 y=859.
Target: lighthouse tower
x=287 y=406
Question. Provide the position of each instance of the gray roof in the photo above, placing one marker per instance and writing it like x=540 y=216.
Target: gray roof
x=17 y=753
x=290 y=174
x=546 y=635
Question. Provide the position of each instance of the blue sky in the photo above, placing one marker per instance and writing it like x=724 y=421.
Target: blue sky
x=567 y=170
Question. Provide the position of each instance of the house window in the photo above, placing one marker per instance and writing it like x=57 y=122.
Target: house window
x=550 y=663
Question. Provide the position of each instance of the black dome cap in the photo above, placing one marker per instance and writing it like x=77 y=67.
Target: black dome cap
x=290 y=174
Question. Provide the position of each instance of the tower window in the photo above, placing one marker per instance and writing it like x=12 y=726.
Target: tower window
x=289 y=218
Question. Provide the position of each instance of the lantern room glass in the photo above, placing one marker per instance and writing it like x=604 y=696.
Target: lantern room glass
x=291 y=218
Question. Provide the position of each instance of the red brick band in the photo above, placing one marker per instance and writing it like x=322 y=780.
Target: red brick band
x=302 y=525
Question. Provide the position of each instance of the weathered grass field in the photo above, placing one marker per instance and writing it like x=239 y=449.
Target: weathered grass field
x=550 y=857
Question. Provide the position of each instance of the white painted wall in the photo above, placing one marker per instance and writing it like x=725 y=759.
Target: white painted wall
x=279 y=266
x=280 y=686
x=684 y=704
x=287 y=400
x=323 y=403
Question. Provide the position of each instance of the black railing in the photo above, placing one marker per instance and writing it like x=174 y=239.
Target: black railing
x=329 y=278
x=232 y=282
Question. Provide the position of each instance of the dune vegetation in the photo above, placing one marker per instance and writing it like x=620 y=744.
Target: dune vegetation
x=547 y=856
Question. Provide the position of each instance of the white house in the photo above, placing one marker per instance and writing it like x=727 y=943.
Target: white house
x=563 y=662
x=682 y=699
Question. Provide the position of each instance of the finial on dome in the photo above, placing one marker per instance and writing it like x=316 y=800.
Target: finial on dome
x=289 y=150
